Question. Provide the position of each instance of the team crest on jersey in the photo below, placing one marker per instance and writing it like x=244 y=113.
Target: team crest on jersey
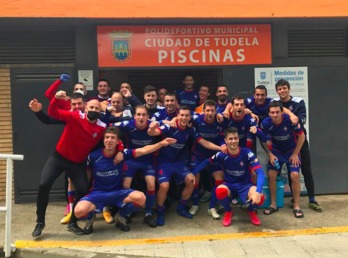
x=94 y=135
x=241 y=164
x=285 y=128
x=121 y=46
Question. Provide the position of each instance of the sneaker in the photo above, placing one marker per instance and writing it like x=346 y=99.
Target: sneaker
x=315 y=206
x=227 y=220
x=205 y=197
x=149 y=220
x=128 y=219
x=66 y=219
x=212 y=212
x=194 y=209
x=160 y=218
x=107 y=217
x=74 y=228
x=254 y=218
x=38 y=229
x=184 y=213
x=121 y=223
x=88 y=229
x=219 y=208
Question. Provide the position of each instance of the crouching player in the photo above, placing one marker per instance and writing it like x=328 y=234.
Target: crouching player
x=107 y=182
x=236 y=163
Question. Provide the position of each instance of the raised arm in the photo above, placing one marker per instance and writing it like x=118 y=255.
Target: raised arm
x=51 y=91
x=53 y=108
x=153 y=147
x=36 y=107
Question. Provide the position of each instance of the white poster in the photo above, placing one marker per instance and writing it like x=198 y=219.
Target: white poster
x=298 y=79
x=86 y=77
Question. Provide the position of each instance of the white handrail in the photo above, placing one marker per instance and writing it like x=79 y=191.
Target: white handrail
x=8 y=207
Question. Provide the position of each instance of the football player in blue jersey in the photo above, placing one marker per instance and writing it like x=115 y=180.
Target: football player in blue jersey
x=237 y=163
x=136 y=137
x=258 y=103
x=245 y=124
x=284 y=146
x=107 y=181
x=170 y=109
x=222 y=98
x=210 y=129
x=172 y=161
x=150 y=97
x=188 y=96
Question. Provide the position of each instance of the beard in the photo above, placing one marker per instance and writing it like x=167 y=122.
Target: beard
x=222 y=98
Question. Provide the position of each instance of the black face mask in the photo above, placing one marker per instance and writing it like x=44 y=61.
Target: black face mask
x=93 y=115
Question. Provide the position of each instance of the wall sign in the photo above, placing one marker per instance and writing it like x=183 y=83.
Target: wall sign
x=201 y=45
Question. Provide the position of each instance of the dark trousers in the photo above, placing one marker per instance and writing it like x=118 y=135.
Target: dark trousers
x=54 y=167
x=306 y=168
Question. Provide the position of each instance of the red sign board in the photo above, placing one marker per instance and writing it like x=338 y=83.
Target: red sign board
x=203 y=45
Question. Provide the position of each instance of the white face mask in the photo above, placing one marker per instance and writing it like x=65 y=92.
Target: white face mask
x=80 y=91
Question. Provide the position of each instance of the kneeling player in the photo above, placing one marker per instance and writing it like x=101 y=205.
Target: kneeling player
x=107 y=182
x=236 y=163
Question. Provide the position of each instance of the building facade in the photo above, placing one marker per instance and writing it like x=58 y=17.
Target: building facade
x=38 y=42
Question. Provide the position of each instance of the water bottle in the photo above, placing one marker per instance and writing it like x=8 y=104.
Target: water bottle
x=276 y=164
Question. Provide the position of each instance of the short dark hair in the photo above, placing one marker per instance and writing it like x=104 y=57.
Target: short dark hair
x=112 y=129
x=149 y=88
x=260 y=87
x=209 y=102
x=236 y=97
x=188 y=74
x=276 y=104
x=282 y=82
x=172 y=94
x=222 y=85
x=104 y=80
x=231 y=130
x=77 y=95
x=184 y=108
